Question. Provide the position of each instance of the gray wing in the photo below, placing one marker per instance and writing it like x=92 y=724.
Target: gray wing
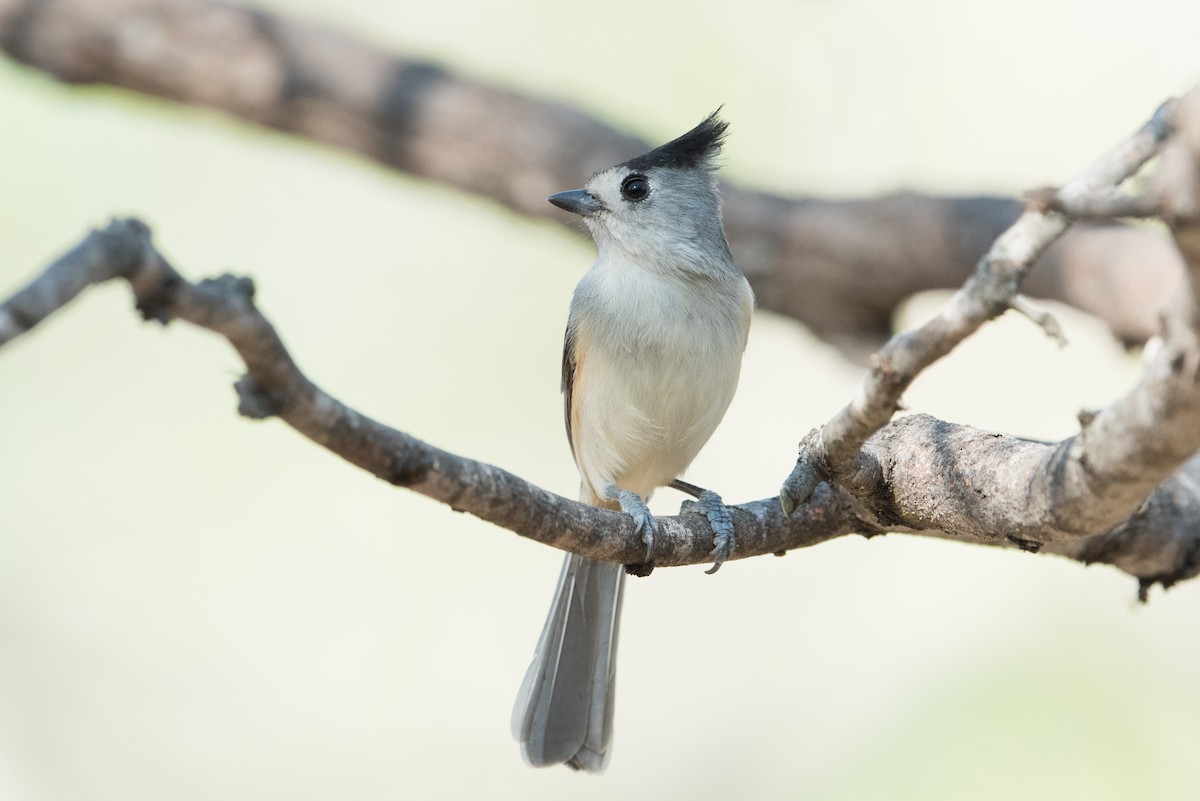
x=568 y=380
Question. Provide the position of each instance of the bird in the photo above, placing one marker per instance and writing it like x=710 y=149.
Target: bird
x=651 y=359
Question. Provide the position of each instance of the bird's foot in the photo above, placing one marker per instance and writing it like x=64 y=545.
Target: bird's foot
x=633 y=505
x=709 y=504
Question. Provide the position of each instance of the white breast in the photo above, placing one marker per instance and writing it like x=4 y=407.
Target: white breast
x=657 y=363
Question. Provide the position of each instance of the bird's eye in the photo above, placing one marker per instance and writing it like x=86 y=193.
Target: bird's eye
x=635 y=187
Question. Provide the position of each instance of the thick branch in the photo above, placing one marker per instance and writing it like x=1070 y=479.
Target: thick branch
x=928 y=489
x=978 y=486
x=839 y=266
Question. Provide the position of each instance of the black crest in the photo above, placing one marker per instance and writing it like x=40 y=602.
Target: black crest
x=694 y=149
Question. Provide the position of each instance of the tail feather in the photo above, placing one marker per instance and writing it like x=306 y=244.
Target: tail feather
x=564 y=709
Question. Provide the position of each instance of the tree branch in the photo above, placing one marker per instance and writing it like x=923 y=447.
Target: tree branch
x=928 y=492
x=834 y=452
x=839 y=266
x=275 y=386
x=806 y=258
x=1035 y=494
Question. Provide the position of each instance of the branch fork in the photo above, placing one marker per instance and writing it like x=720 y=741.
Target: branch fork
x=1131 y=461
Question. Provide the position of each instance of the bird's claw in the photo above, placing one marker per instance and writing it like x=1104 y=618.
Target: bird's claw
x=644 y=523
x=806 y=475
x=709 y=504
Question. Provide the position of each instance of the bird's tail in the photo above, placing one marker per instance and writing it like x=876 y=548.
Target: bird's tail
x=564 y=710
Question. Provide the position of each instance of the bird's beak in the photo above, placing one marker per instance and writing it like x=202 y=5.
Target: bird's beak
x=577 y=201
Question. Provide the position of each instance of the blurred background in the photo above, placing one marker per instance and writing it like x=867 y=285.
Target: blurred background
x=197 y=606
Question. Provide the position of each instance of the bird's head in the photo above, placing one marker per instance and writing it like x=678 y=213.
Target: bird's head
x=661 y=207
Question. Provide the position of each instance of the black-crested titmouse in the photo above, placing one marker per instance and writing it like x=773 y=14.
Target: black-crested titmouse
x=651 y=361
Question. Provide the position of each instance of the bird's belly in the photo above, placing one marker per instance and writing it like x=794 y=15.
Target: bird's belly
x=649 y=407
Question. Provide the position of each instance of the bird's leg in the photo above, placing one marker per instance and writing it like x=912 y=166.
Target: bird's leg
x=633 y=505
x=709 y=504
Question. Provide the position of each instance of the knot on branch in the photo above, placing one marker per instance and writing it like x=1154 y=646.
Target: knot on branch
x=127 y=246
x=226 y=304
x=234 y=287
x=155 y=298
x=1189 y=566
x=640 y=570
x=255 y=401
x=125 y=241
x=1086 y=417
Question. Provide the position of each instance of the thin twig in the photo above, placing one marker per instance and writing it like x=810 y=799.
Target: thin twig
x=1039 y=317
